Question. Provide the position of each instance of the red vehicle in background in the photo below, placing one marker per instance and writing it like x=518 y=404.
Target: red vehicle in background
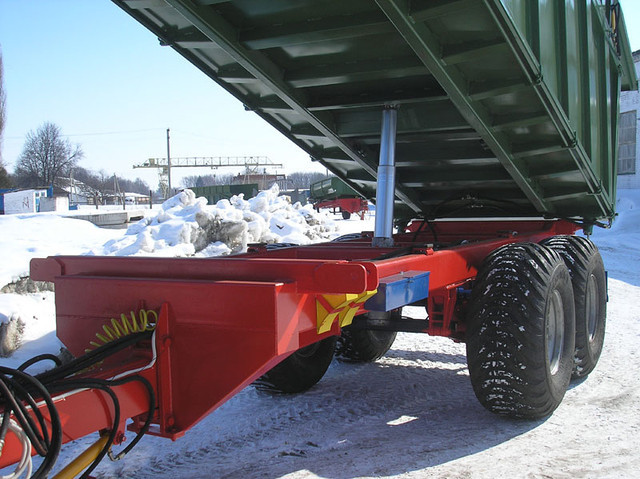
x=336 y=194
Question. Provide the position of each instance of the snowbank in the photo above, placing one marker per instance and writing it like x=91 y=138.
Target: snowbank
x=187 y=226
x=36 y=314
x=40 y=235
x=620 y=245
x=184 y=226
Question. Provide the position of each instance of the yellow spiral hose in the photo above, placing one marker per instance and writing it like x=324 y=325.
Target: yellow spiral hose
x=118 y=329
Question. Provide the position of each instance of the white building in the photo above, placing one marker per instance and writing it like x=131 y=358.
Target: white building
x=23 y=201
x=628 y=139
x=54 y=203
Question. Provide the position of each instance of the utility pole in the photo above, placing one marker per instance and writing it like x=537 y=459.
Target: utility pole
x=169 y=165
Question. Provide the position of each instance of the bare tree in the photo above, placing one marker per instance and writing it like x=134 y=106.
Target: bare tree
x=5 y=179
x=46 y=155
x=302 y=179
x=207 y=180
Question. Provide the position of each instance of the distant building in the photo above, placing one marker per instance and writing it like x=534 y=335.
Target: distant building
x=33 y=200
x=79 y=192
x=136 y=199
x=24 y=200
x=629 y=136
x=3 y=191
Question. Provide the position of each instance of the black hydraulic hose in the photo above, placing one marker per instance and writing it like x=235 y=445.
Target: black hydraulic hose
x=92 y=357
x=145 y=427
x=53 y=451
x=433 y=231
x=40 y=357
x=4 y=427
x=24 y=419
x=102 y=385
x=16 y=387
x=419 y=230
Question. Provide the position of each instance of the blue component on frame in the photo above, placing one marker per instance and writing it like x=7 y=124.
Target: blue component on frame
x=399 y=290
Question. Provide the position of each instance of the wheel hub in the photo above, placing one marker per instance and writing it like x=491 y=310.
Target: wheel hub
x=592 y=306
x=554 y=331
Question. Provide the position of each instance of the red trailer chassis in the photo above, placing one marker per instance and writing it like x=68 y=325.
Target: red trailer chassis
x=224 y=322
x=347 y=206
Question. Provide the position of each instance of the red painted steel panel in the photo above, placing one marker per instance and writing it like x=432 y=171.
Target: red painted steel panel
x=219 y=335
x=328 y=276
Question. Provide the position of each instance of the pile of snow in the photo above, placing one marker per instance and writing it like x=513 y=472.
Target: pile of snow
x=44 y=234
x=620 y=245
x=184 y=226
x=188 y=226
x=34 y=316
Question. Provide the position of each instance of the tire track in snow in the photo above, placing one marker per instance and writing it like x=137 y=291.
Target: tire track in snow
x=283 y=428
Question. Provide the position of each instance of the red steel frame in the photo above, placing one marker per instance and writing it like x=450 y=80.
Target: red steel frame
x=223 y=322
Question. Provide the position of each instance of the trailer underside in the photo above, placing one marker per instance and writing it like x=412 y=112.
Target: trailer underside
x=224 y=322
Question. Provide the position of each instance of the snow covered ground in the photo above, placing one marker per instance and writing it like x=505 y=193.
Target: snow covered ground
x=412 y=414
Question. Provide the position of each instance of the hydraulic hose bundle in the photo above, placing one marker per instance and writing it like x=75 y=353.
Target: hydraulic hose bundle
x=22 y=394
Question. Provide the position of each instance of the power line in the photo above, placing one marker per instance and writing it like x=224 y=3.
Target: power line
x=114 y=132
x=100 y=133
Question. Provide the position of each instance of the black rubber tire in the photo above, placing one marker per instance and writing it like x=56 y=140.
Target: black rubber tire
x=300 y=371
x=590 y=293
x=346 y=215
x=365 y=345
x=522 y=291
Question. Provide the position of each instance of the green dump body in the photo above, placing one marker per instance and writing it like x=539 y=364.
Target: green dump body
x=505 y=107
x=330 y=189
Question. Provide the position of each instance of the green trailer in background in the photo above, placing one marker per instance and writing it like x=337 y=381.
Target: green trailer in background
x=334 y=193
x=215 y=193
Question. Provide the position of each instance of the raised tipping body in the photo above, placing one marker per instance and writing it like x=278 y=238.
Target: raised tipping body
x=505 y=108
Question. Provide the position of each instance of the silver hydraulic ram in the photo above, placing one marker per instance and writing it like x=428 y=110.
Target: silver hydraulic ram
x=383 y=234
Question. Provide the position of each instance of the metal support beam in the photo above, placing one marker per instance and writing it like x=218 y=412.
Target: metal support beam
x=269 y=74
x=169 y=164
x=426 y=45
x=383 y=234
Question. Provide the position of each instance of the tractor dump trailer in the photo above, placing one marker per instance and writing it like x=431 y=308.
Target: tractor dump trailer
x=485 y=131
x=334 y=193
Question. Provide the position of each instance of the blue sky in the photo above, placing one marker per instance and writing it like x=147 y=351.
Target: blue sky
x=103 y=78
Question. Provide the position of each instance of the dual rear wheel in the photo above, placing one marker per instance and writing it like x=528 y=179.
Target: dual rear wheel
x=536 y=319
x=304 y=368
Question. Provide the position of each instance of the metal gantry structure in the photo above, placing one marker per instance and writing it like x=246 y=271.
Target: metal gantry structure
x=164 y=165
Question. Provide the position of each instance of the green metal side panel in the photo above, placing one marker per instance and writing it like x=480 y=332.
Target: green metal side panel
x=506 y=107
x=331 y=188
x=215 y=193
